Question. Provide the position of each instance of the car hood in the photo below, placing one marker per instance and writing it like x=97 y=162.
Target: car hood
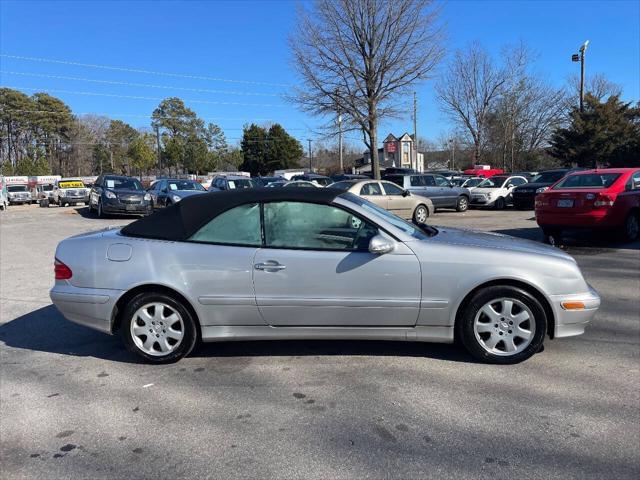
x=186 y=193
x=473 y=238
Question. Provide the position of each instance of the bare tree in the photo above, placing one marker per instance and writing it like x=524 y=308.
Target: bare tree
x=359 y=56
x=468 y=91
x=597 y=85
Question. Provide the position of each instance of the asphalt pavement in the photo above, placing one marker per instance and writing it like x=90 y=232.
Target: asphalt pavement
x=75 y=405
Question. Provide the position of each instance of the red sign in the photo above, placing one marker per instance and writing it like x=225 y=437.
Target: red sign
x=391 y=147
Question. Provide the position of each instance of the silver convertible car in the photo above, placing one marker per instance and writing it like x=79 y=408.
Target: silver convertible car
x=302 y=263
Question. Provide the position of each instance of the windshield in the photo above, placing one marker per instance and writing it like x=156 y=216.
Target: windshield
x=17 y=188
x=589 y=180
x=47 y=188
x=548 y=177
x=344 y=186
x=122 y=184
x=472 y=182
x=394 y=220
x=185 y=185
x=493 y=182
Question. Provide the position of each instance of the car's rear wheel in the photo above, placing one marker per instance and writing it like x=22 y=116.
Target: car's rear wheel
x=552 y=236
x=502 y=324
x=158 y=327
x=420 y=214
x=463 y=204
x=500 y=204
x=632 y=227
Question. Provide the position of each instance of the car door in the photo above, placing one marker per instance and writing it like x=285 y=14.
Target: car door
x=447 y=196
x=315 y=270
x=398 y=201
x=432 y=191
x=372 y=192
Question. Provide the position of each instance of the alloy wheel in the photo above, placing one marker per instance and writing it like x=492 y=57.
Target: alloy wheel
x=421 y=214
x=504 y=326
x=157 y=329
x=632 y=227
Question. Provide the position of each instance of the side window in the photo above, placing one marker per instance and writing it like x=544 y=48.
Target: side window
x=429 y=181
x=371 y=189
x=418 y=181
x=441 y=181
x=391 y=189
x=312 y=226
x=518 y=181
x=634 y=181
x=238 y=226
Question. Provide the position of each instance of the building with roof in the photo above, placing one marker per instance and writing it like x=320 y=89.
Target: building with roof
x=398 y=152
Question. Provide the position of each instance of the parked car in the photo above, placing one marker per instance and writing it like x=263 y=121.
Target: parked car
x=168 y=191
x=390 y=197
x=524 y=196
x=398 y=171
x=593 y=199
x=265 y=181
x=312 y=177
x=338 y=177
x=496 y=191
x=42 y=192
x=232 y=182
x=301 y=183
x=70 y=191
x=467 y=182
x=320 y=263
x=116 y=194
x=448 y=174
x=18 y=194
x=442 y=193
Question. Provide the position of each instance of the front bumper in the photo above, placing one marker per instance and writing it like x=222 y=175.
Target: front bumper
x=118 y=207
x=91 y=307
x=573 y=322
x=478 y=201
x=75 y=198
x=19 y=200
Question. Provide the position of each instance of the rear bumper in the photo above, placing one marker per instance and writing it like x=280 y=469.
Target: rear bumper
x=573 y=322
x=593 y=219
x=90 y=307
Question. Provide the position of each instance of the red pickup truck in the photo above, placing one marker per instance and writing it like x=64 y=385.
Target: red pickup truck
x=595 y=199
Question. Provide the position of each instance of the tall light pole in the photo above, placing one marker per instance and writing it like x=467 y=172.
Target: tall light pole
x=452 y=142
x=310 y=157
x=415 y=132
x=579 y=57
x=340 y=142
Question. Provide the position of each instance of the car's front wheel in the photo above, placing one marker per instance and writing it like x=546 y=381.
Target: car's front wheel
x=158 y=327
x=502 y=324
x=100 y=211
x=420 y=214
x=463 y=204
x=500 y=204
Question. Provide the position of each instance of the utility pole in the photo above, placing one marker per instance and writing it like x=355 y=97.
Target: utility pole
x=580 y=58
x=340 y=141
x=310 y=157
x=415 y=132
x=452 y=141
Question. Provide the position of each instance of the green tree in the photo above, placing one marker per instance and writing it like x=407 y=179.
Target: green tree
x=604 y=134
x=118 y=138
x=142 y=153
x=282 y=150
x=254 y=150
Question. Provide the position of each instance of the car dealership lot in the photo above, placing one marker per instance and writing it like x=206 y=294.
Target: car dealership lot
x=75 y=404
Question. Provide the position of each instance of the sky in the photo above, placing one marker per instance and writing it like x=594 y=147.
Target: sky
x=229 y=61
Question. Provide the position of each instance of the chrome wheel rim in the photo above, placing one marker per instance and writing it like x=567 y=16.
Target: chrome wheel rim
x=632 y=227
x=462 y=204
x=504 y=326
x=421 y=214
x=157 y=329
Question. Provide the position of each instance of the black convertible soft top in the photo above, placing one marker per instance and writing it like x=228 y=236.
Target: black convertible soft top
x=180 y=221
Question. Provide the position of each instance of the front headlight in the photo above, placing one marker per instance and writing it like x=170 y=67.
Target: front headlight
x=542 y=189
x=147 y=196
x=109 y=194
x=175 y=198
x=489 y=195
x=63 y=193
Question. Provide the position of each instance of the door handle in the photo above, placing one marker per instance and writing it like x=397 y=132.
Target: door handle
x=269 y=266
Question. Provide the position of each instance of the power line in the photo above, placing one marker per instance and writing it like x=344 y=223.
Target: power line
x=147 y=72
x=137 y=97
x=144 y=85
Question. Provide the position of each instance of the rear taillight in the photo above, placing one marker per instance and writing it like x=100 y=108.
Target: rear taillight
x=603 y=201
x=62 y=271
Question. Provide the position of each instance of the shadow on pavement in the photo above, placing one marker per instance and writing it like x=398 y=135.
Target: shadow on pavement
x=46 y=330
x=577 y=241
x=86 y=213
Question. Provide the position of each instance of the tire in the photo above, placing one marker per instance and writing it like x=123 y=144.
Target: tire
x=552 y=235
x=631 y=229
x=499 y=204
x=519 y=333
x=91 y=209
x=154 y=311
x=100 y=212
x=463 y=203
x=420 y=214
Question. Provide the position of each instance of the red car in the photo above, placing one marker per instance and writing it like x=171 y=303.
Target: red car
x=596 y=199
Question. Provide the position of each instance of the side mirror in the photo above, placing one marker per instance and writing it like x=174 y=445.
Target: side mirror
x=380 y=245
x=406 y=193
